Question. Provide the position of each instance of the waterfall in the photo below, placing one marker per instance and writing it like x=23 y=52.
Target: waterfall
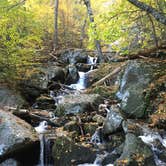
x=81 y=83
x=150 y=139
x=45 y=145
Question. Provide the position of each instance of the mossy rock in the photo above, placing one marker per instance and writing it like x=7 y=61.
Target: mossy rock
x=66 y=152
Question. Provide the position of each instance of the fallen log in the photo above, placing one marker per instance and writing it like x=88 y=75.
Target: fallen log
x=101 y=81
x=33 y=117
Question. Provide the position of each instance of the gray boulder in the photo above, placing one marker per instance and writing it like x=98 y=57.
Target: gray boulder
x=113 y=122
x=135 y=79
x=135 y=152
x=9 y=162
x=74 y=104
x=72 y=75
x=74 y=56
x=65 y=152
x=10 y=98
x=15 y=134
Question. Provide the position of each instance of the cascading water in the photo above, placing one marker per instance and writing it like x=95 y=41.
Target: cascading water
x=45 y=145
x=81 y=83
x=151 y=138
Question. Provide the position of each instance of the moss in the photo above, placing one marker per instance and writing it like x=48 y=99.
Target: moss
x=104 y=91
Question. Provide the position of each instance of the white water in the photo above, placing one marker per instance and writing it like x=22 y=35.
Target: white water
x=96 y=138
x=81 y=83
x=92 y=61
x=98 y=161
x=57 y=99
x=41 y=129
x=150 y=138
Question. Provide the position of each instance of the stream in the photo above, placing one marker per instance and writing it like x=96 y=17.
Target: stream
x=77 y=125
x=149 y=137
x=45 y=141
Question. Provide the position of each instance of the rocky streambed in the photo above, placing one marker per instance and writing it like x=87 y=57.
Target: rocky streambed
x=94 y=114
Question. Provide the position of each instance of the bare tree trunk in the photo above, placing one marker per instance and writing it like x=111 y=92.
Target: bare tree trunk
x=82 y=33
x=160 y=17
x=154 y=31
x=96 y=41
x=56 y=24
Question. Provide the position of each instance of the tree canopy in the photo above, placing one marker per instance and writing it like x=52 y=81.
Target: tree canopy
x=27 y=28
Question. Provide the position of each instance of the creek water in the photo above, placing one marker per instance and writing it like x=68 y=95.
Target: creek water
x=45 y=140
x=153 y=139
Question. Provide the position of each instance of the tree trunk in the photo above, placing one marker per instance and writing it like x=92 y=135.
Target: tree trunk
x=56 y=24
x=160 y=17
x=96 y=41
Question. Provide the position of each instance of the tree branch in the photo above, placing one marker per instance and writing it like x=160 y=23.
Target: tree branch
x=160 y=17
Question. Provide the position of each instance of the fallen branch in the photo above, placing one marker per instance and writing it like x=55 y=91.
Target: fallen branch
x=109 y=75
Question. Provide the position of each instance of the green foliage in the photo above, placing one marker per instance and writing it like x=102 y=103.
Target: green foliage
x=21 y=36
x=124 y=27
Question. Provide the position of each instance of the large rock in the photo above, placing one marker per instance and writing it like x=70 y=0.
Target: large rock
x=10 y=98
x=74 y=104
x=135 y=79
x=135 y=152
x=40 y=81
x=45 y=103
x=15 y=134
x=83 y=67
x=113 y=122
x=58 y=75
x=10 y=162
x=65 y=152
x=72 y=75
x=74 y=56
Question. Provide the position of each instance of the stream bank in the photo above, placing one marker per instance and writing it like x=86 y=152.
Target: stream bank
x=121 y=121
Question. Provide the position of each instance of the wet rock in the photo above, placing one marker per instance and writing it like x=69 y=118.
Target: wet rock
x=30 y=92
x=162 y=156
x=135 y=79
x=131 y=126
x=113 y=122
x=135 y=152
x=83 y=67
x=58 y=75
x=72 y=75
x=74 y=56
x=113 y=156
x=74 y=104
x=15 y=134
x=9 y=162
x=45 y=102
x=10 y=98
x=114 y=141
x=66 y=152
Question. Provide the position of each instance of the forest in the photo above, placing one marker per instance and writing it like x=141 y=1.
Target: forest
x=83 y=82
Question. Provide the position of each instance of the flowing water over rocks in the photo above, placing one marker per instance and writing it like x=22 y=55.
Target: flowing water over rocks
x=76 y=128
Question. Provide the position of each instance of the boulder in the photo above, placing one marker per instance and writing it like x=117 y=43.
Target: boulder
x=30 y=92
x=113 y=122
x=137 y=76
x=78 y=103
x=10 y=98
x=72 y=75
x=9 y=162
x=45 y=102
x=15 y=134
x=65 y=152
x=58 y=75
x=135 y=152
x=74 y=56
x=83 y=67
